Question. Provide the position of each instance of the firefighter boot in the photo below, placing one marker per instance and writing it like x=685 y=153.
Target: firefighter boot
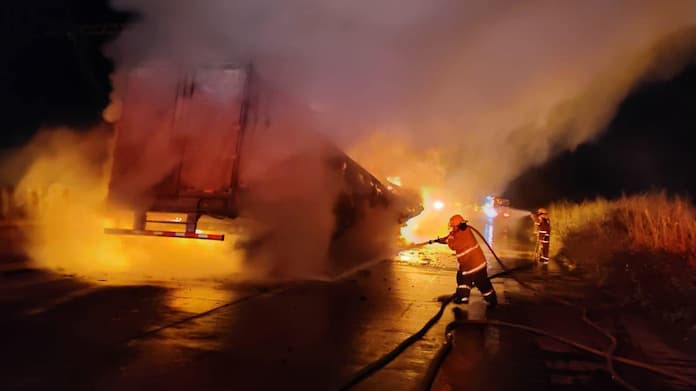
x=491 y=299
x=461 y=296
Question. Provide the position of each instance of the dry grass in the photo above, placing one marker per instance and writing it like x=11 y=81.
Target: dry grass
x=652 y=222
x=640 y=251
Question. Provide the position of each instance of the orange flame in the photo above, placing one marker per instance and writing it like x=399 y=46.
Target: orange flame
x=438 y=206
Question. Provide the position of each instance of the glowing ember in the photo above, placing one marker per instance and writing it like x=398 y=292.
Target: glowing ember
x=394 y=180
x=438 y=205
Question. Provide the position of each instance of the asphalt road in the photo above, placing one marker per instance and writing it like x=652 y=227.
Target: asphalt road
x=116 y=332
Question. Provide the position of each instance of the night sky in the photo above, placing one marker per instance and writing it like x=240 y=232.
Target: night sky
x=49 y=79
x=649 y=145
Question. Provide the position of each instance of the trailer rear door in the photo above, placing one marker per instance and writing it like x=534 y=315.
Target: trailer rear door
x=179 y=133
x=208 y=119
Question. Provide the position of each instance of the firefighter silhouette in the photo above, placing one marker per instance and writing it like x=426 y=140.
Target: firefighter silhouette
x=543 y=228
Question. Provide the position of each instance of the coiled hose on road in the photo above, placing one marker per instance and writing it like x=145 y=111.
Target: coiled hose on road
x=608 y=355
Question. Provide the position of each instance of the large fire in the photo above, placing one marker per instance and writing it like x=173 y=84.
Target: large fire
x=438 y=206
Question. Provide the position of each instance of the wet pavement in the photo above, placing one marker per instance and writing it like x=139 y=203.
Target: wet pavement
x=118 y=332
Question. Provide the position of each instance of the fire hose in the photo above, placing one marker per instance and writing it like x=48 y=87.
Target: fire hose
x=440 y=356
x=608 y=355
x=496 y=323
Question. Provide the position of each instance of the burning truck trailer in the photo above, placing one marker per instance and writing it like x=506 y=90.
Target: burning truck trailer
x=180 y=144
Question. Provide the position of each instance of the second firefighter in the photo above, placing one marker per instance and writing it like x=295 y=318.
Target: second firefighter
x=543 y=228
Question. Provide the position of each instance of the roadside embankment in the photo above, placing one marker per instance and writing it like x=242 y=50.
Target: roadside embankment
x=639 y=250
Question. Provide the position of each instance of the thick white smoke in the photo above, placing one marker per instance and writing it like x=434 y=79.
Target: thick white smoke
x=490 y=86
x=454 y=95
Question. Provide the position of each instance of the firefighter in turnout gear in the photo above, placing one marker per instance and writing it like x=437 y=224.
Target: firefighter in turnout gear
x=543 y=227
x=472 y=263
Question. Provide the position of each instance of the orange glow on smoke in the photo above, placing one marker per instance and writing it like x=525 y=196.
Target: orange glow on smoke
x=438 y=206
x=65 y=194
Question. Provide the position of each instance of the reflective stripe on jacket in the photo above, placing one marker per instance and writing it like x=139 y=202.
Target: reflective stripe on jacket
x=544 y=226
x=466 y=250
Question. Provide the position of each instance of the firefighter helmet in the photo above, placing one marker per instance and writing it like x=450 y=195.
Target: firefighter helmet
x=455 y=220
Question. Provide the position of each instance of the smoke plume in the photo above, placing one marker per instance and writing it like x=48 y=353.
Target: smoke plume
x=489 y=87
